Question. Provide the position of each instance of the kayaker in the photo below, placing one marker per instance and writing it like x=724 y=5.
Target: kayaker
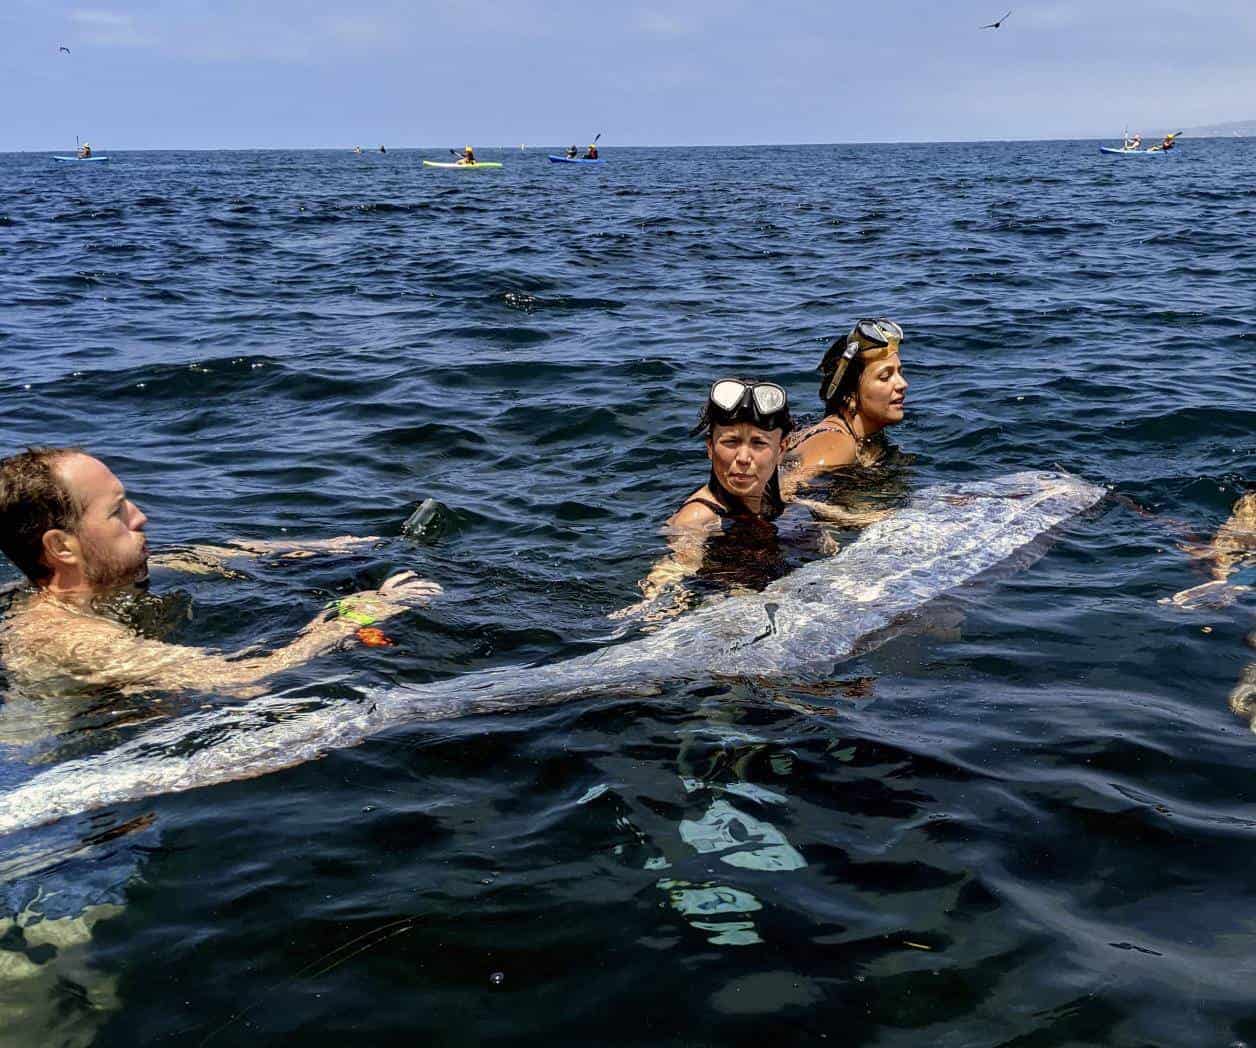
x=864 y=391
x=592 y=152
x=382 y=149
x=1168 y=142
x=67 y=523
x=468 y=156
x=84 y=151
x=746 y=422
x=1134 y=143
x=572 y=153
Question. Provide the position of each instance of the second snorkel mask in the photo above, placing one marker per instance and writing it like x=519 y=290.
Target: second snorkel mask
x=733 y=400
x=873 y=339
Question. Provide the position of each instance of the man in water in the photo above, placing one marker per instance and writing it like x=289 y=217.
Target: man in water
x=67 y=523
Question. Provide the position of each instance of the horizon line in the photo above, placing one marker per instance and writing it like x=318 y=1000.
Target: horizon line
x=526 y=146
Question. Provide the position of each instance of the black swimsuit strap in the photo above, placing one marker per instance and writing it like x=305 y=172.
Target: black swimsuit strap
x=804 y=435
x=715 y=507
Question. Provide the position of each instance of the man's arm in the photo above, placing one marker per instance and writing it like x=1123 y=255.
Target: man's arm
x=99 y=652
x=204 y=559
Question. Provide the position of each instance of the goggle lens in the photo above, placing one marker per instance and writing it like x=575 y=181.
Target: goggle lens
x=881 y=332
x=768 y=399
x=727 y=394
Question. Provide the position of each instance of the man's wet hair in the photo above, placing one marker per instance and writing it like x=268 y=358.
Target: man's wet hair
x=33 y=500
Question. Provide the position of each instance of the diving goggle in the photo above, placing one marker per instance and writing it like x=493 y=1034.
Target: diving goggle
x=763 y=404
x=867 y=337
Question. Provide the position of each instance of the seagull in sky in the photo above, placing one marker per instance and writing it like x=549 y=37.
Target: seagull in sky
x=63 y=48
x=995 y=25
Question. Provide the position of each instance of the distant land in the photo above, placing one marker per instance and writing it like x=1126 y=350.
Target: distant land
x=1234 y=128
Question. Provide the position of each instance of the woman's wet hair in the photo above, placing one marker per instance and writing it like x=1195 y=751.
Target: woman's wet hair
x=847 y=390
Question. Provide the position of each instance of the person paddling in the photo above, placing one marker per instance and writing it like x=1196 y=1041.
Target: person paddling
x=572 y=152
x=468 y=157
x=84 y=151
x=591 y=154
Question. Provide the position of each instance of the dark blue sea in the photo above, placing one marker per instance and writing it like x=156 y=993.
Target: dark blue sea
x=1028 y=818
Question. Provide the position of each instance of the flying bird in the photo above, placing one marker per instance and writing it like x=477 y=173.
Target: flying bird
x=995 y=25
x=64 y=48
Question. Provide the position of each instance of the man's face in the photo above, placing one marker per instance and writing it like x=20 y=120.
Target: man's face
x=111 y=538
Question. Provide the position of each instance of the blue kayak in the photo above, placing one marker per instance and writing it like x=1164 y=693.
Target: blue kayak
x=572 y=160
x=79 y=159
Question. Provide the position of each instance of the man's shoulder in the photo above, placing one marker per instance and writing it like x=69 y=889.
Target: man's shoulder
x=47 y=630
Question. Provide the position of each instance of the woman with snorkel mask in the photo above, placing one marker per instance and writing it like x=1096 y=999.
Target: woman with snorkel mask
x=864 y=391
x=746 y=423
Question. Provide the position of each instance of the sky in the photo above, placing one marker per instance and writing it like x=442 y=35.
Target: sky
x=206 y=74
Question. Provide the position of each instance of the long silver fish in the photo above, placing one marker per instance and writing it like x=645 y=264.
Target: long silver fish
x=804 y=622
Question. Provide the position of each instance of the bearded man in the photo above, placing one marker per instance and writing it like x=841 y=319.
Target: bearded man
x=68 y=525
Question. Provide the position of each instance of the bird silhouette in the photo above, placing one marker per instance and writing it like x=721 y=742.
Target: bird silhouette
x=995 y=25
x=64 y=48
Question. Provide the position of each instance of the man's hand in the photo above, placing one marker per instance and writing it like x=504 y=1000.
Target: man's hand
x=401 y=591
x=407 y=589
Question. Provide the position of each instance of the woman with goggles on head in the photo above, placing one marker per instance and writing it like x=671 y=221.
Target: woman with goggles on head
x=746 y=423
x=864 y=391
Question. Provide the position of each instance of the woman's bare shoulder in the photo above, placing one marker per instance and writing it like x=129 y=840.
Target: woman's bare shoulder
x=695 y=514
x=826 y=449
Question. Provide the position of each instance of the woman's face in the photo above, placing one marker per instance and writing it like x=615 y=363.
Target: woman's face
x=882 y=393
x=744 y=457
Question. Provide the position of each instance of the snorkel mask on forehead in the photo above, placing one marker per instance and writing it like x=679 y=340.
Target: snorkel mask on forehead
x=733 y=400
x=871 y=339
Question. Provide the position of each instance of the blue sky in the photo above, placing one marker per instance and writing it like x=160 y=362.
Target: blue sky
x=152 y=74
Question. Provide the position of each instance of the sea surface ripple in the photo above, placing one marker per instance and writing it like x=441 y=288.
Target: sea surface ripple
x=1024 y=820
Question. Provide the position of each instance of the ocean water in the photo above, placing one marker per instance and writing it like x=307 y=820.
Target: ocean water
x=1026 y=819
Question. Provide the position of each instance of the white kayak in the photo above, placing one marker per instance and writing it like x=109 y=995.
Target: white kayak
x=1153 y=151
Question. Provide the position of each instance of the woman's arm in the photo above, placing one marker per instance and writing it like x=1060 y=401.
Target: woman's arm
x=687 y=534
x=817 y=455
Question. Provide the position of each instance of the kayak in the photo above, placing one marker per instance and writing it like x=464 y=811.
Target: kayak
x=1131 y=152
x=77 y=159
x=461 y=167
x=572 y=160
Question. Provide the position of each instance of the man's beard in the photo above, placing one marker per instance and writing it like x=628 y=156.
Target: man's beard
x=107 y=570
